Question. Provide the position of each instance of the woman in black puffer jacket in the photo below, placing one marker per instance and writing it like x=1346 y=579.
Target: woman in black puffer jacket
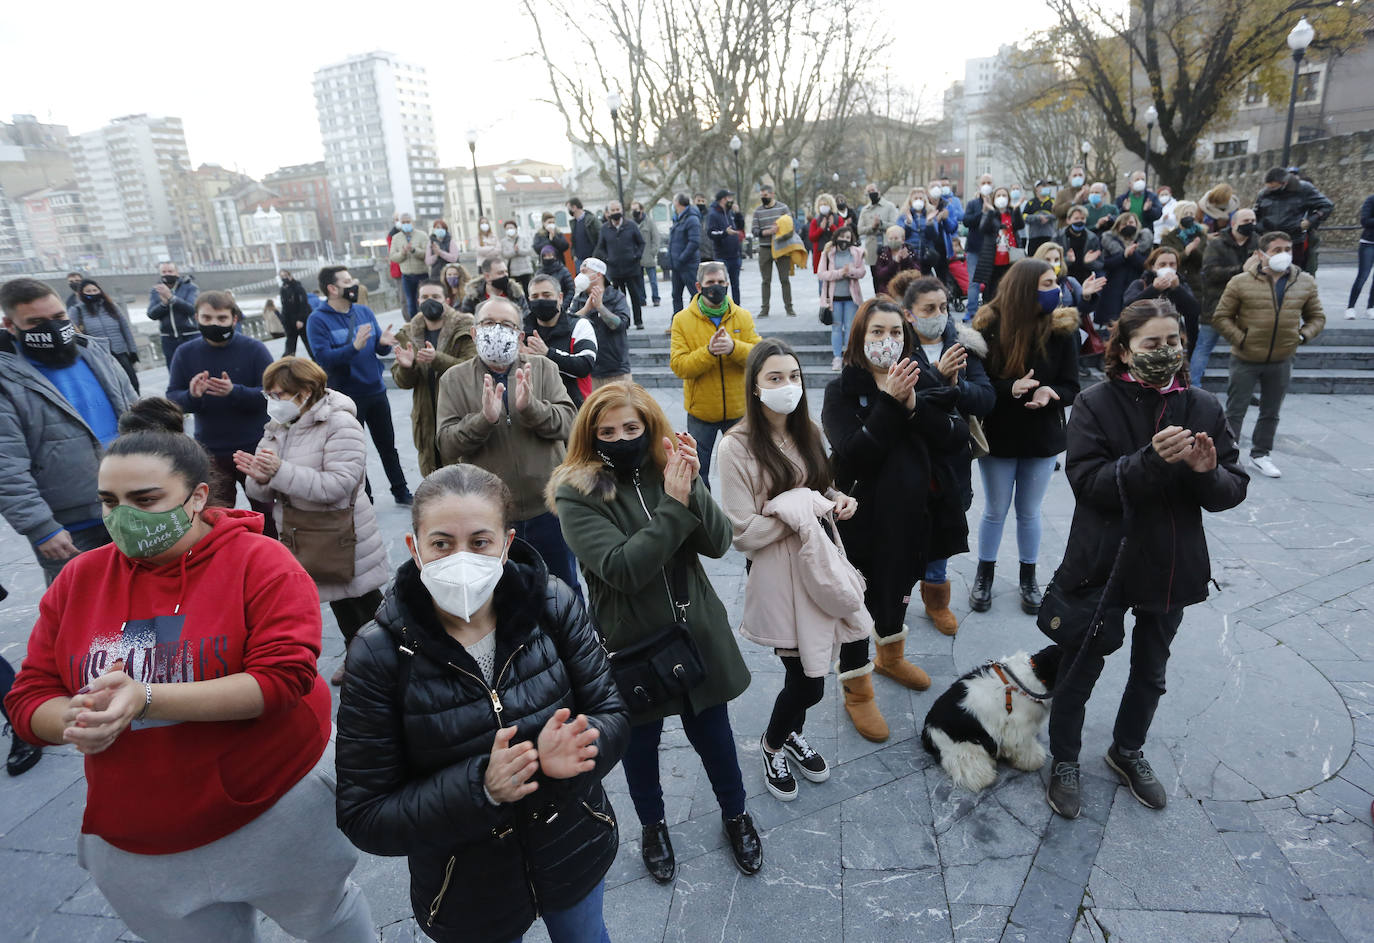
x=476 y=722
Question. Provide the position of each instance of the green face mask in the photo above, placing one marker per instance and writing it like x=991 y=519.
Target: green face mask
x=1157 y=367
x=140 y=534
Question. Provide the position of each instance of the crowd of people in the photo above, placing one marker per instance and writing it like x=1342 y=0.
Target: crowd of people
x=553 y=608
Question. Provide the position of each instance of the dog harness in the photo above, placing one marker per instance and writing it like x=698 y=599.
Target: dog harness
x=1011 y=682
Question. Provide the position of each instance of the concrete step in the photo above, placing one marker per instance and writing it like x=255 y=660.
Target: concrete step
x=1313 y=357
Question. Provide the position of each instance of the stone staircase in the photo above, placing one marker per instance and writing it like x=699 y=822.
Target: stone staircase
x=1340 y=360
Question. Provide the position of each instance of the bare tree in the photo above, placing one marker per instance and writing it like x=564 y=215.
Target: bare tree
x=1189 y=60
x=692 y=76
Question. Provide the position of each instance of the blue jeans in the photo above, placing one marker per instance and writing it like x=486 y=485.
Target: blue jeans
x=1366 y=262
x=651 y=272
x=544 y=535
x=844 y=309
x=1202 y=351
x=974 y=292
x=581 y=923
x=705 y=433
x=710 y=735
x=1029 y=478
x=410 y=285
x=937 y=572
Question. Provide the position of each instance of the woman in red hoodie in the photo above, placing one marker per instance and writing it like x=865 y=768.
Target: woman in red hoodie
x=181 y=660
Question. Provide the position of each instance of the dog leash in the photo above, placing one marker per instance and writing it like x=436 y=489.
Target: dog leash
x=1010 y=681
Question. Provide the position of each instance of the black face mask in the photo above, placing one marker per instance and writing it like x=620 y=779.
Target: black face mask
x=551 y=265
x=351 y=293
x=1128 y=231
x=432 y=309
x=74 y=286
x=766 y=200
x=714 y=295
x=701 y=207
x=1187 y=222
x=1246 y=229
x=501 y=284
x=544 y=309
x=615 y=217
x=639 y=217
x=624 y=455
x=51 y=342
x=216 y=333
x=92 y=300
x=874 y=198
x=842 y=205
x=170 y=281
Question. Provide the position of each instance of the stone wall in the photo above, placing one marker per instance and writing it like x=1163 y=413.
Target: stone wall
x=1341 y=167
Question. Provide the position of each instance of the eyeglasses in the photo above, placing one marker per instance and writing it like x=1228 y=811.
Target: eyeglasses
x=278 y=397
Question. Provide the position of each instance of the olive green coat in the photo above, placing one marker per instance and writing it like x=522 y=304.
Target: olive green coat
x=624 y=554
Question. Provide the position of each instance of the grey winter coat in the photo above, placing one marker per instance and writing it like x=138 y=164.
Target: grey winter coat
x=49 y=457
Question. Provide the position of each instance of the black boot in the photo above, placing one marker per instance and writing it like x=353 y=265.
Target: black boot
x=23 y=755
x=744 y=842
x=657 y=850
x=980 y=597
x=1030 y=592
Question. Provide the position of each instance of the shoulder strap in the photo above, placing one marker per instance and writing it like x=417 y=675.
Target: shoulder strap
x=405 y=654
x=676 y=573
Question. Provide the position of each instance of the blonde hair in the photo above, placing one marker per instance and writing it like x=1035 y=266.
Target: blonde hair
x=1046 y=248
x=1184 y=208
x=824 y=198
x=582 y=449
x=894 y=232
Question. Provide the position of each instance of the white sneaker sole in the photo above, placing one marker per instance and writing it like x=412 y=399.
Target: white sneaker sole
x=780 y=794
x=820 y=777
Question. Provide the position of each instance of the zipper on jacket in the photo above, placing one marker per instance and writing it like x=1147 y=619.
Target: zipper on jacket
x=443 y=889
x=496 y=704
x=601 y=817
x=672 y=603
x=1274 y=332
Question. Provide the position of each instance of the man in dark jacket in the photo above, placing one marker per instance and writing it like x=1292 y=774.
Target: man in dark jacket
x=61 y=395
x=704 y=248
x=1142 y=202
x=551 y=264
x=295 y=312
x=583 y=231
x=1287 y=203
x=172 y=304
x=621 y=246
x=1226 y=253
x=684 y=248
x=724 y=225
x=570 y=342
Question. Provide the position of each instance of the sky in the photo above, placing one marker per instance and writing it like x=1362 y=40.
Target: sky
x=239 y=75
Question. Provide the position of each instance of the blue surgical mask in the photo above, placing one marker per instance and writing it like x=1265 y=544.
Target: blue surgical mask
x=1045 y=191
x=440 y=233
x=1095 y=199
x=1078 y=226
x=1016 y=196
x=407 y=227
x=1049 y=299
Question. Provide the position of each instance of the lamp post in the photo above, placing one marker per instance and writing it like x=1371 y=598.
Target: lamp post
x=476 y=184
x=1298 y=41
x=1151 y=116
x=613 y=102
x=1087 y=148
x=796 y=187
x=735 y=145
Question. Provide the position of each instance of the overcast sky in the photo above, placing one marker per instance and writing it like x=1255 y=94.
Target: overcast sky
x=239 y=75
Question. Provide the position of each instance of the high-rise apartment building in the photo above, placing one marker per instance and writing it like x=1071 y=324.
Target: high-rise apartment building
x=132 y=175
x=379 y=144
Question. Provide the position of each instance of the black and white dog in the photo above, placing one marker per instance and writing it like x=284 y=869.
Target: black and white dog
x=993 y=712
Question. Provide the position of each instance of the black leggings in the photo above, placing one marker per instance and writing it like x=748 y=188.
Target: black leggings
x=789 y=710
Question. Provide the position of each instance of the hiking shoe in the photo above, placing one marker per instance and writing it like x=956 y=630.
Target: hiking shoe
x=1135 y=772
x=1266 y=466
x=1064 y=793
x=777 y=776
x=813 y=765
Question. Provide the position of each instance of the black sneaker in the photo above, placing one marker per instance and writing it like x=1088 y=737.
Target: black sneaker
x=657 y=850
x=813 y=765
x=1135 y=772
x=777 y=775
x=405 y=499
x=1064 y=794
x=744 y=842
x=23 y=755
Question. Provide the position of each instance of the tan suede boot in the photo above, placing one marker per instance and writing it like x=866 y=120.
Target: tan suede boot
x=860 y=705
x=936 y=598
x=889 y=660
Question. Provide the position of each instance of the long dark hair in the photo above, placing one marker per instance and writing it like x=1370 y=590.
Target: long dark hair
x=1022 y=329
x=1124 y=327
x=106 y=302
x=779 y=474
x=854 y=355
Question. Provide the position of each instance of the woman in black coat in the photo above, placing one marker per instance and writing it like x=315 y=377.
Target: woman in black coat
x=1177 y=459
x=1161 y=280
x=1124 y=248
x=999 y=224
x=1033 y=362
x=477 y=719
x=882 y=433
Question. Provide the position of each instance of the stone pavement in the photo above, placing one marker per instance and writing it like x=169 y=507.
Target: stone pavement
x=1265 y=740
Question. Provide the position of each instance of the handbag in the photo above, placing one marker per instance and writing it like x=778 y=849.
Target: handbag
x=324 y=542
x=978 y=439
x=827 y=315
x=665 y=664
x=1089 y=617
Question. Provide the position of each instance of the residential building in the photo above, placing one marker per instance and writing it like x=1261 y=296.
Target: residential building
x=33 y=156
x=59 y=232
x=981 y=155
x=520 y=189
x=380 y=154
x=306 y=186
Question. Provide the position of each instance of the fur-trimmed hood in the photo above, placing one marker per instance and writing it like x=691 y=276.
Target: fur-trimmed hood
x=973 y=342
x=587 y=477
x=1066 y=320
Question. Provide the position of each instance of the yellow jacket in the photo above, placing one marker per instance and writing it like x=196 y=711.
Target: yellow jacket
x=787 y=242
x=713 y=387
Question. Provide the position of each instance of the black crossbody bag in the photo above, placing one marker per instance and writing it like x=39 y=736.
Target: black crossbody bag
x=666 y=664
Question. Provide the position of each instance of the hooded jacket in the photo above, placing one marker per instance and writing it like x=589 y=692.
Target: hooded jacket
x=454 y=346
x=1258 y=327
x=49 y=457
x=176 y=318
x=416 y=726
x=684 y=244
x=712 y=386
x=323 y=461
x=626 y=532
x=1166 y=565
x=1014 y=431
x=236 y=603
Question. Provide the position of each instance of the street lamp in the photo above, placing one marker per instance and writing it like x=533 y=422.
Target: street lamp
x=735 y=145
x=1298 y=41
x=613 y=103
x=476 y=184
x=1151 y=116
x=1087 y=148
x=796 y=188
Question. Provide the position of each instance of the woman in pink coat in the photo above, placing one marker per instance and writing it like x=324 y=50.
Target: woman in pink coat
x=803 y=597
x=843 y=267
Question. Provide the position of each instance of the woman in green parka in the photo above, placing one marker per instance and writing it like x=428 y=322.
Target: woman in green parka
x=632 y=505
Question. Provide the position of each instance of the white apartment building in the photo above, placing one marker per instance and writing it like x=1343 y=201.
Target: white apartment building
x=130 y=174
x=380 y=155
x=981 y=156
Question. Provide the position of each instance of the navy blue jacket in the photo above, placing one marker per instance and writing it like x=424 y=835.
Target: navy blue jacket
x=224 y=424
x=717 y=221
x=177 y=318
x=355 y=373
x=684 y=244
